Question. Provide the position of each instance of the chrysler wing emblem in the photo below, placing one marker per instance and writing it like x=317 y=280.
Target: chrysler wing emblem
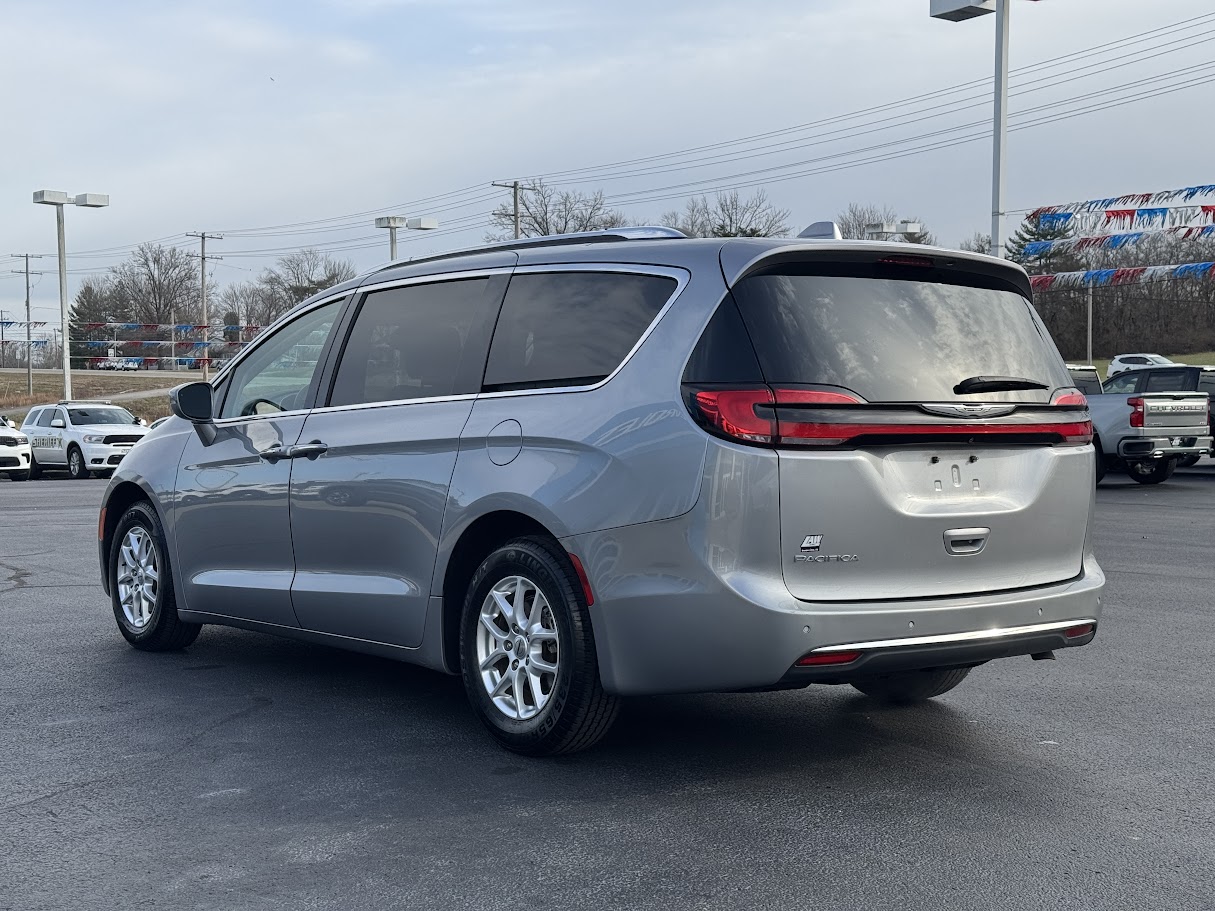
x=964 y=410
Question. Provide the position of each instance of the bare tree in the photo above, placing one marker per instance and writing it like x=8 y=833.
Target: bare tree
x=976 y=243
x=158 y=284
x=544 y=210
x=853 y=220
x=730 y=216
x=295 y=277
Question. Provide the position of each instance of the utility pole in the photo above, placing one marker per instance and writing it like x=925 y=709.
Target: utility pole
x=29 y=339
x=514 y=186
x=1000 y=131
x=1 y=339
x=1090 y=325
x=202 y=286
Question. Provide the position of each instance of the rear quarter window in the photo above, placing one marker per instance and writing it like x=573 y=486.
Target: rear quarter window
x=571 y=328
x=890 y=337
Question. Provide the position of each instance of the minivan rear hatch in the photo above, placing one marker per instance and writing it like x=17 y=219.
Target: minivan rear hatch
x=930 y=439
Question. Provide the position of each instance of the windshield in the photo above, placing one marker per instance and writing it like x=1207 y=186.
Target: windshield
x=1157 y=359
x=893 y=340
x=108 y=415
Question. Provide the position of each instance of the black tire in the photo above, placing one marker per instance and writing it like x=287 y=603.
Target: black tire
x=35 y=469
x=1188 y=461
x=77 y=469
x=1099 y=456
x=1154 y=472
x=104 y=474
x=577 y=712
x=164 y=631
x=19 y=475
x=907 y=687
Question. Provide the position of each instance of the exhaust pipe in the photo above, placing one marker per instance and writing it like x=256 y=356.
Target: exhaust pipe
x=1043 y=656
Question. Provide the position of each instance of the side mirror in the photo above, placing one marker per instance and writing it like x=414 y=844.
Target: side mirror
x=141 y=422
x=192 y=401
x=58 y=424
x=12 y=424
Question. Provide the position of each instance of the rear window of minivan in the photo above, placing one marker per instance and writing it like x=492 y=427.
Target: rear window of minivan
x=895 y=339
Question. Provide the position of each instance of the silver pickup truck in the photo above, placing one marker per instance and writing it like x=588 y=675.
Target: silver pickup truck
x=1148 y=432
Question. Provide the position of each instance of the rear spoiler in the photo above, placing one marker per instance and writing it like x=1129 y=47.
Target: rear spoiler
x=740 y=259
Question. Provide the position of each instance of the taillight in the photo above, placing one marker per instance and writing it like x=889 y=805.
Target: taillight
x=824 y=418
x=1136 y=404
x=1072 y=398
x=732 y=413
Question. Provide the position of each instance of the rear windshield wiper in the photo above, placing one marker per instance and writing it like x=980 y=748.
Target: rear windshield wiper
x=975 y=384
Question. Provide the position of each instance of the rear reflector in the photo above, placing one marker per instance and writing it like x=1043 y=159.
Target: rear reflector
x=583 y=579
x=101 y=525
x=1077 y=632
x=826 y=658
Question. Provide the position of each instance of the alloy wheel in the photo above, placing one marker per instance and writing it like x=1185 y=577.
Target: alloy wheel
x=518 y=648
x=138 y=577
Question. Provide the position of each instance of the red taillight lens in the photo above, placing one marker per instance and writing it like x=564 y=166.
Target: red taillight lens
x=1073 y=398
x=732 y=412
x=1078 y=632
x=827 y=658
x=814 y=397
x=1136 y=404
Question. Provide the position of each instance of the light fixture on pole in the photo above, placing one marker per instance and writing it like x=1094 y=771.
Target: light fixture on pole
x=392 y=222
x=904 y=230
x=959 y=11
x=59 y=199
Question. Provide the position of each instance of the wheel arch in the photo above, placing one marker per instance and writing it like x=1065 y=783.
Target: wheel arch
x=124 y=495
x=475 y=542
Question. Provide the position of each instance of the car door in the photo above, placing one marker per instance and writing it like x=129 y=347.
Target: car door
x=53 y=423
x=231 y=520
x=367 y=503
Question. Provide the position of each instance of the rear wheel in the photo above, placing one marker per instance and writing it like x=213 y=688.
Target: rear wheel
x=527 y=653
x=141 y=584
x=912 y=686
x=77 y=470
x=1153 y=472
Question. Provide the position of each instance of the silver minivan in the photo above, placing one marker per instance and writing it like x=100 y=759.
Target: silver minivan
x=575 y=469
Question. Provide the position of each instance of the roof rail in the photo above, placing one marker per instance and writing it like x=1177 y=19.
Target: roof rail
x=606 y=236
x=84 y=402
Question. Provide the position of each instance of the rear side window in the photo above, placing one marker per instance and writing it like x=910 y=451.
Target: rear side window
x=896 y=339
x=31 y=419
x=1207 y=384
x=410 y=342
x=1167 y=381
x=571 y=328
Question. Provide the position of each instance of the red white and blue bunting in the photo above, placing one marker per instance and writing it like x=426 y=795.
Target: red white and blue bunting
x=1115 y=241
x=1137 y=275
x=1130 y=202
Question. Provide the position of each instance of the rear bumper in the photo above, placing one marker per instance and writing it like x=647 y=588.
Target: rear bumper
x=1138 y=449
x=666 y=622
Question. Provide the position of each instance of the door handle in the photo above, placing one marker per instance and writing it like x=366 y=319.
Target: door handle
x=274 y=453
x=966 y=542
x=307 y=450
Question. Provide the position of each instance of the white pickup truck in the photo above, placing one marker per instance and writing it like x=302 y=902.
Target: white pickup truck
x=1146 y=433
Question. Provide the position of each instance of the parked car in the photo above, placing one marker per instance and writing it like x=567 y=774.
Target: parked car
x=84 y=437
x=1135 y=362
x=630 y=463
x=15 y=455
x=1178 y=378
x=1086 y=378
x=1147 y=430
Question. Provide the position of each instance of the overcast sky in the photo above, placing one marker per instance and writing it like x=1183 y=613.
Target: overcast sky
x=225 y=116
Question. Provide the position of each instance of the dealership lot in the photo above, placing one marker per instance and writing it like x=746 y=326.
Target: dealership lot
x=251 y=772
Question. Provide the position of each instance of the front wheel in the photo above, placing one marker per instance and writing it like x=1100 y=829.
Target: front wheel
x=77 y=470
x=907 y=687
x=141 y=584
x=1154 y=472
x=527 y=653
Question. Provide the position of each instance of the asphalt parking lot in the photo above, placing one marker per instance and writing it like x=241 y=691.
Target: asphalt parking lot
x=251 y=772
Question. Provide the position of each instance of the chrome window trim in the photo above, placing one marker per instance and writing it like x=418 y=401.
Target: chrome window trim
x=681 y=276
x=361 y=406
x=273 y=327
x=977 y=635
x=288 y=317
x=435 y=278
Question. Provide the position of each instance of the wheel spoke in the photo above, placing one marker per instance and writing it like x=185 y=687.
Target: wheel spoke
x=519 y=602
x=493 y=658
x=544 y=667
x=538 y=695
x=520 y=678
x=501 y=686
x=494 y=630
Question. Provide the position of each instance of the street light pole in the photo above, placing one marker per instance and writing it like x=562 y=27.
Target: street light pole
x=59 y=199
x=392 y=222
x=999 y=129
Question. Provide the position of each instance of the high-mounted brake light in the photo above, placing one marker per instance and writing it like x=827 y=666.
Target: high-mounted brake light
x=1136 y=404
x=923 y=262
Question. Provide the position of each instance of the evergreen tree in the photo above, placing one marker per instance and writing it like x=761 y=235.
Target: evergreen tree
x=1038 y=229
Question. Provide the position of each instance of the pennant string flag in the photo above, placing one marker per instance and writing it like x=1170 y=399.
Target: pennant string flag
x=1097 y=278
